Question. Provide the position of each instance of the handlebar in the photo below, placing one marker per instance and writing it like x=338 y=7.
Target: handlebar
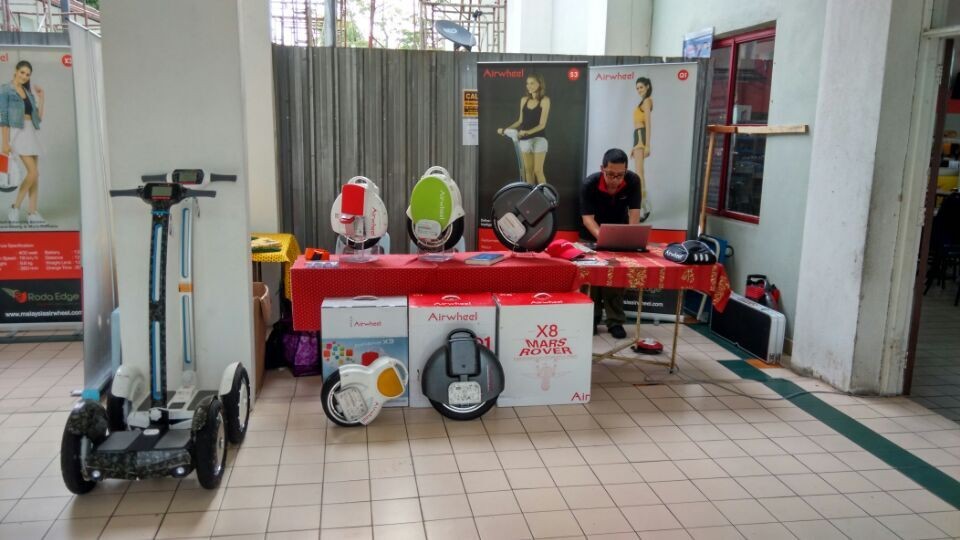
x=143 y=192
x=214 y=177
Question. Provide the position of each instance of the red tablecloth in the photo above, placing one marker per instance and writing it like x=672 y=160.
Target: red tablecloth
x=651 y=271
x=400 y=275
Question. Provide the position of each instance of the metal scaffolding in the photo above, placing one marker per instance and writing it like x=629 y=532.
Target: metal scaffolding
x=301 y=22
x=485 y=19
x=45 y=16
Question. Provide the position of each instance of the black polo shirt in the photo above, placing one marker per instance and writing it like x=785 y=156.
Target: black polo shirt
x=608 y=207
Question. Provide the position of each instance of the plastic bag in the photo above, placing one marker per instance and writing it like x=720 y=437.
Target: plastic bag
x=298 y=351
x=761 y=291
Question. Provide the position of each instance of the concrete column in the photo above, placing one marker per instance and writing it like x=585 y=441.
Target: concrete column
x=629 y=27
x=857 y=162
x=530 y=26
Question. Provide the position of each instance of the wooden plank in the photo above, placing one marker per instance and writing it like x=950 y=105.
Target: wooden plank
x=772 y=130
x=714 y=128
x=760 y=130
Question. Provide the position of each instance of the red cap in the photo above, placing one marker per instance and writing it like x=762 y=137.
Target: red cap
x=564 y=250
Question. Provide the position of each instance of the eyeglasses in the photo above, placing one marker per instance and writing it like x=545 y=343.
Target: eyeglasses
x=614 y=176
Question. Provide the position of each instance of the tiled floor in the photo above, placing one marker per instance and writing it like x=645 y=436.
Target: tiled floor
x=936 y=375
x=642 y=460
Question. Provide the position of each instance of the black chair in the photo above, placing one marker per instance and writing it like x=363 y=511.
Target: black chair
x=945 y=243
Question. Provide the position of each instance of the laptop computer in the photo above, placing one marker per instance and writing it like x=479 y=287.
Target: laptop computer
x=617 y=237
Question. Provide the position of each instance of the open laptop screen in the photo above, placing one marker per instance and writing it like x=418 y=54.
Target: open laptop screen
x=616 y=237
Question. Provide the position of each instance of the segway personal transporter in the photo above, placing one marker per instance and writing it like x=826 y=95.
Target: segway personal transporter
x=145 y=432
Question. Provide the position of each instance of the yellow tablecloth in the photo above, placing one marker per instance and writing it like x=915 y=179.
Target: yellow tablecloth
x=289 y=250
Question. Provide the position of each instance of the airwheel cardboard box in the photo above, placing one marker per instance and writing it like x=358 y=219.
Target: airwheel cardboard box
x=545 y=344
x=433 y=317
x=359 y=330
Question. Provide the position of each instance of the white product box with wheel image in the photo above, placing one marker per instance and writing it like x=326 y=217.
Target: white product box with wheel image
x=433 y=317
x=545 y=345
x=359 y=330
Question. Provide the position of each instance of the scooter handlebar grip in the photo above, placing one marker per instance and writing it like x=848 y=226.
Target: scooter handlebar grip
x=124 y=193
x=201 y=193
x=147 y=178
x=214 y=177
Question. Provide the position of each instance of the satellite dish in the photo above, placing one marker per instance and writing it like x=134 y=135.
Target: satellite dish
x=460 y=36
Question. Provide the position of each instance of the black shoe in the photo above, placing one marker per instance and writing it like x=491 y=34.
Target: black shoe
x=617 y=331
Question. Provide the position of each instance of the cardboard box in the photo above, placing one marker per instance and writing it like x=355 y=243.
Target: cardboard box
x=360 y=330
x=432 y=318
x=545 y=344
x=261 y=314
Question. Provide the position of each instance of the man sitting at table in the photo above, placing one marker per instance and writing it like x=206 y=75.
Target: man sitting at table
x=609 y=196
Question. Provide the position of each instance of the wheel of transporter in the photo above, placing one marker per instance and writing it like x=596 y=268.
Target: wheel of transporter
x=71 y=448
x=236 y=406
x=118 y=409
x=210 y=446
x=532 y=233
x=328 y=398
x=455 y=412
x=74 y=445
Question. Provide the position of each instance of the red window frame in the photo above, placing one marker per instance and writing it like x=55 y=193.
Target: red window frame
x=734 y=43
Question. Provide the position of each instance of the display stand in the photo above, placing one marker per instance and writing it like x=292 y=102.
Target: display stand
x=436 y=256
x=612 y=353
x=364 y=255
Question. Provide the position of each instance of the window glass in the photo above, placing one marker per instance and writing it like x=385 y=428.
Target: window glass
x=751 y=100
x=717 y=114
x=745 y=176
x=736 y=172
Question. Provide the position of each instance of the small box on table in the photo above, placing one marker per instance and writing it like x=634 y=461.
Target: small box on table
x=433 y=317
x=359 y=330
x=545 y=344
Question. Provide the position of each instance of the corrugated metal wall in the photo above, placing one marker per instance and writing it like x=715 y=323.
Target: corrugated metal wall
x=387 y=115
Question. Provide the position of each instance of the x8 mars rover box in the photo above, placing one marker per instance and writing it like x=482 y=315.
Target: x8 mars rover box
x=433 y=317
x=545 y=344
x=359 y=330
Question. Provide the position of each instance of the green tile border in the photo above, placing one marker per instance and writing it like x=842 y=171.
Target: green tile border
x=927 y=476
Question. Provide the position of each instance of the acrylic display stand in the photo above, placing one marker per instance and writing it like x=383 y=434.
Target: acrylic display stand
x=436 y=256
x=352 y=255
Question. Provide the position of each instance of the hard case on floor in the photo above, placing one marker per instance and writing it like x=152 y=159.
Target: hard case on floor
x=756 y=329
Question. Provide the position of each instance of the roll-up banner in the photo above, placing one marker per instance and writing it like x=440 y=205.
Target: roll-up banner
x=533 y=119
x=647 y=110
x=40 y=273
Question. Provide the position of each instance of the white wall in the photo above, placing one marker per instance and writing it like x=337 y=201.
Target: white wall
x=256 y=63
x=771 y=247
x=172 y=74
